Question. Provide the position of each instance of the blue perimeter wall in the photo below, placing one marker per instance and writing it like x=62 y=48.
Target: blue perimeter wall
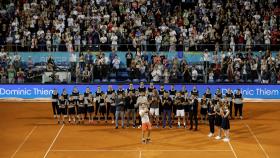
x=45 y=91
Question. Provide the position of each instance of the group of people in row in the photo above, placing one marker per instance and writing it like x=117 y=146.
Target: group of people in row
x=126 y=103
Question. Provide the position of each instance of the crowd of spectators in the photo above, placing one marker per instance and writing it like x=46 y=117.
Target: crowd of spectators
x=226 y=28
x=225 y=67
x=154 y=25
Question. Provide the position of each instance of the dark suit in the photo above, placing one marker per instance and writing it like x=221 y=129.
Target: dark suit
x=193 y=113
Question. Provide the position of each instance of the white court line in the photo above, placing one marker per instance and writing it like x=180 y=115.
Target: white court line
x=140 y=154
x=104 y=150
x=257 y=140
x=232 y=149
x=53 y=141
x=25 y=139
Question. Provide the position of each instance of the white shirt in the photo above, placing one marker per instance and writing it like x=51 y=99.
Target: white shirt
x=142 y=100
x=172 y=33
x=40 y=32
x=194 y=74
x=103 y=39
x=116 y=63
x=70 y=21
x=73 y=57
x=156 y=75
x=206 y=56
x=114 y=39
x=158 y=39
x=163 y=28
x=247 y=5
x=144 y=116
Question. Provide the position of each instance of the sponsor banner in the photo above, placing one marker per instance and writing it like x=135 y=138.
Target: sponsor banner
x=45 y=91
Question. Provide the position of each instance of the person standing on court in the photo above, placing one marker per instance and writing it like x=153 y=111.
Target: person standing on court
x=219 y=94
x=65 y=96
x=109 y=102
x=154 y=101
x=72 y=109
x=195 y=92
x=180 y=111
x=130 y=110
x=61 y=109
x=142 y=87
x=97 y=97
x=172 y=95
x=167 y=106
x=225 y=121
x=75 y=94
x=55 y=97
x=211 y=117
x=218 y=118
x=193 y=112
x=142 y=99
x=86 y=95
x=119 y=109
x=238 y=104
x=229 y=96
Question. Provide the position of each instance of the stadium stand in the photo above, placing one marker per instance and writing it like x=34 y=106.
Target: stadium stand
x=204 y=41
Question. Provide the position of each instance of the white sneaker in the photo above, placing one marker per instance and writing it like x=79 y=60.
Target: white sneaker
x=218 y=137
x=139 y=126
x=210 y=135
x=226 y=139
x=241 y=118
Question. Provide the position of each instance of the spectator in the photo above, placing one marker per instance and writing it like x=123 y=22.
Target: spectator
x=116 y=64
x=156 y=74
x=237 y=75
x=78 y=74
x=30 y=63
x=187 y=74
x=86 y=75
x=174 y=73
x=194 y=75
x=166 y=75
x=129 y=57
x=11 y=74
x=3 y=75
x=158 y=40
x=211 y=77
x=206 y=59
x=30 y=75
x=77 y=42
x=148 y=27
x=114 y=39
x=20 y=76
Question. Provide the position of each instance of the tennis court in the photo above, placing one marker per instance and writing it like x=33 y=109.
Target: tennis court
x=28 y=130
